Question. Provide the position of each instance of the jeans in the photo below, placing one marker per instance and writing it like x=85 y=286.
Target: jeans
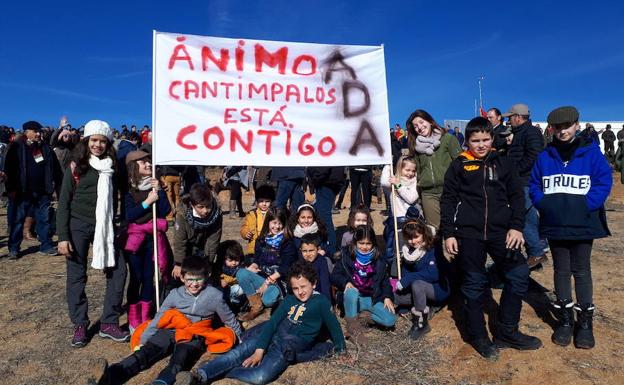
x=361 y=183
x=325 y=198
x=17 y=212
x=534 y=245
x=289 y=189
x=81 y=234
x=572 y=258
x=250 y=282
x=355 y=303
x=141 y=264
x=474 y=283
x=276 y=358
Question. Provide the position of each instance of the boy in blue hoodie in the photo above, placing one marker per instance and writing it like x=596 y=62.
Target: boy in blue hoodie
x=569 y=184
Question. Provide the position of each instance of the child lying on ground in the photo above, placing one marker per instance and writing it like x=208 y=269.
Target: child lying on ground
x=289 y=337
x=182 y=327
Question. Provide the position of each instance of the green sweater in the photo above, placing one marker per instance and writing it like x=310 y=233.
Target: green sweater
x=76 y=202
x=307 y=319
x=432 y=168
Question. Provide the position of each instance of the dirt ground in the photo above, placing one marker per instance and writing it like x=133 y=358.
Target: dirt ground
x=35 y=330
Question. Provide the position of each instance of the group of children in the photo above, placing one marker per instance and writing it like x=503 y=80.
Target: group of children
x=286 y=267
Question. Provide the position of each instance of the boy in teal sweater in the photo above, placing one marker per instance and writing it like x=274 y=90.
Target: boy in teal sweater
x=289 y=337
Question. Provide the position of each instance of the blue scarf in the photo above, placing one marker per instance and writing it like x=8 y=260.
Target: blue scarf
x=364 y=258
x=274 y=240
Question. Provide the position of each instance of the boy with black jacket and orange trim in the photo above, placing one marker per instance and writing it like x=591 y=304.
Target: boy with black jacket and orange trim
x=482 y=212
x=569 y=184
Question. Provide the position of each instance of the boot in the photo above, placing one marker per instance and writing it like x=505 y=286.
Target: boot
x=255 y=308
x=485 y=348
x=355 y=331
x=28 y=224
x=232 y=209
x=365 y=318
x=98 y=373
x=146 y=311
x=134 y=315
x=565 y=314
x=420 y=324
x=583 y=328
x=508 y=336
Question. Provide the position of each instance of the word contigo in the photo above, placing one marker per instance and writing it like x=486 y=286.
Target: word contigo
x=214 y=138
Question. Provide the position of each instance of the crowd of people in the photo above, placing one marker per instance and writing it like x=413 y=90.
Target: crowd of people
x=510 y=192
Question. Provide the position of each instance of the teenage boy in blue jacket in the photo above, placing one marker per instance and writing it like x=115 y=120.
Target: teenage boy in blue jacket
x=569 y=184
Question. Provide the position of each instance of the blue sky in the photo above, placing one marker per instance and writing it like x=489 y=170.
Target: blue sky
x=92 y=59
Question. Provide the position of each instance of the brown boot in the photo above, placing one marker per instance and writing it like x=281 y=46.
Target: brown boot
x=355 y=331
x=28 y=223
x=255 y=308
x=365 y=318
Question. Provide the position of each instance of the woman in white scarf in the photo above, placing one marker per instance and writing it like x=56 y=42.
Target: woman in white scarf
x=85 y=215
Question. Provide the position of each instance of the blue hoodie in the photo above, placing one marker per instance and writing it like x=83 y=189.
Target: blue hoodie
x=570 y=195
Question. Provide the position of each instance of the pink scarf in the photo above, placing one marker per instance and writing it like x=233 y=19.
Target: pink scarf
x=136 y=236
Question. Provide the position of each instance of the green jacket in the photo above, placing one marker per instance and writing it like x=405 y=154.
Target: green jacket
x=432 y=168
x=76 y=201
x=189 y=241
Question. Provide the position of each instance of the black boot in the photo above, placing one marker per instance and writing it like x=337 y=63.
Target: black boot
x=98 y=373
x=565 y=314
x=485 y=348
x=508 y=336
x=583 y=329
x=123 y=371
x=420 y=324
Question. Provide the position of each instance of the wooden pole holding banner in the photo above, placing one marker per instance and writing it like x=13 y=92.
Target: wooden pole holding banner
x=154 y=213
x=397 y=252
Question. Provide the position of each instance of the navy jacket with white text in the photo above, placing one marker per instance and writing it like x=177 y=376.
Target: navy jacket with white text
x=570 y=195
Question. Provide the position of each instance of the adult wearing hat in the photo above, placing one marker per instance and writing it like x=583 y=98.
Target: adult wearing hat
x=33 y=173
x=569 y=184
x=525 y=146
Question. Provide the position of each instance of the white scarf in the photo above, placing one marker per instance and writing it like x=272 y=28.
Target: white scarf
x=301 y=231
x=427 y=145
x=144 y=184
x=413 y=256
x=103 y=241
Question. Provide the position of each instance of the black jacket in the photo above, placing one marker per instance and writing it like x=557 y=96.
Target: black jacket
x=526 y=145
x=481 y=199
x=343 y=271
x=16 y=168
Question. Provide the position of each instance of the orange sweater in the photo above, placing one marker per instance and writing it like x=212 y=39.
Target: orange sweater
x=217 y=341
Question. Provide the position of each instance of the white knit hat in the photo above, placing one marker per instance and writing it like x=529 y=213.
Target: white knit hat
x=98 y=127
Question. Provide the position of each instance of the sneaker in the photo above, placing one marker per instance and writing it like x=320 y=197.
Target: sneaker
x=114 y=332
x=534 y=261
x=188 y=378
x=49 y=252
x=13 y=256
x=80 y=336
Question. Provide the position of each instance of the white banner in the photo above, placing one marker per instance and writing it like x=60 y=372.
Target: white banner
x=220 y=101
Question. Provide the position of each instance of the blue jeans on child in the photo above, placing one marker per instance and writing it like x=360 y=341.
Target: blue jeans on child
x=355 y=303
x=250 y=282
x=285 y=349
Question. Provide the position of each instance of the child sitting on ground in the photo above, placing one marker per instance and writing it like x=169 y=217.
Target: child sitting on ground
x=420 y=279
x=252 y=225
x=306 y=221
x=360 y=216
x=362 y=275
x=289 y=337
x=274 y=254
x=309 y=250
x=182 y=326
x=229 y=260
